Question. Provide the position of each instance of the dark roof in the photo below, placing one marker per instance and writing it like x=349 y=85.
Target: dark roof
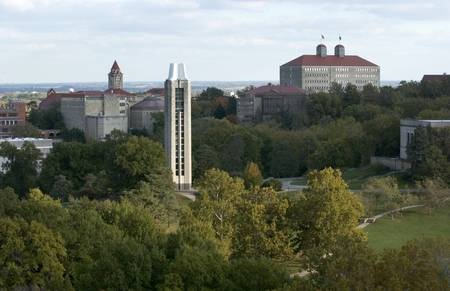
x=115 y=66
x=427 y=78
x=277 y=90
x=150 y=103
x=331 y=60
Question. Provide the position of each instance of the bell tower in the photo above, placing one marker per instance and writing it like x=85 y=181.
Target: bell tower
x=115 y=77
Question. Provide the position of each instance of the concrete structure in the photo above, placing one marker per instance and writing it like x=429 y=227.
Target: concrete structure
x=316 y=73
x=394 y=164
x=142 y=113
x=11 y=114
x=177 y=126
x=266 y=102
x=408 y=127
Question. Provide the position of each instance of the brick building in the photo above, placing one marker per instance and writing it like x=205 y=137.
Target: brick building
x=11 y=114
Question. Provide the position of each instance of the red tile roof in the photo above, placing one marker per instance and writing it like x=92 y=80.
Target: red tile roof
x=118 y=92
x=331 y=60
x=277 y=90
x=53 y=98
x=427 y=78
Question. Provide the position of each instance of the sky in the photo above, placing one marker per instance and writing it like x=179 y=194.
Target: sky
x=220 y=40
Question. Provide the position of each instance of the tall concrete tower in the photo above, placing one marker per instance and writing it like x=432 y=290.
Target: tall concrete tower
x=177 y=137
x=115 y=77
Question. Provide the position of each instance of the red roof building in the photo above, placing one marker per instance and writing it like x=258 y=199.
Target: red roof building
x=431 y=78
x=316 y=73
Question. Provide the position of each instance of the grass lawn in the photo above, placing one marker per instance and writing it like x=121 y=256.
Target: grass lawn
x=415 y=224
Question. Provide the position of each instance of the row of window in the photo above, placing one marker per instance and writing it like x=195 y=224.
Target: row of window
x=317 y=75
x=364 y=81
x=315 y=81
x=366 y=69
x=8 y=122
x=319 y=88
x=366 y=76
x=316 y=69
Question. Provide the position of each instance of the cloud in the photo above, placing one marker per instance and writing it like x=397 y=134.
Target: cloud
x=229 y=34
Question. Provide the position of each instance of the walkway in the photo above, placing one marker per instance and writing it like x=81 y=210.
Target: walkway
x=372 y=219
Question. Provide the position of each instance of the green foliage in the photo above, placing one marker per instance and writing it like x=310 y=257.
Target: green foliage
x=260 y=226
x=31 y=256
x=47 y=119
x=19 y=169
x=73 y=135
x=382 y=194
x=274 y=184
x=26 y=130
x=102 y=169
x=327 y=213
x=139 y=159
x=210 y=93
x=252 y=176
x=252 y=221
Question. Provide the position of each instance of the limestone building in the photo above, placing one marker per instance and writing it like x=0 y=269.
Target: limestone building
x=96 y=113
x=316 y=73
x=177 y=126
x=408 y=128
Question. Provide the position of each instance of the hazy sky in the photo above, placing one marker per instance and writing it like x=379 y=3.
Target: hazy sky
x=78 y=40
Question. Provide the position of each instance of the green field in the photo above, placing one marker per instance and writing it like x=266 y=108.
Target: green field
x=415 y=224
x=356 y=177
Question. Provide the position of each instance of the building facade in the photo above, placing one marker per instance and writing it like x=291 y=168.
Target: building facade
x=142 y=114
x=11 y=115
x=177 y=126
x=408 y=127
x=316 y=73
x=266 y=102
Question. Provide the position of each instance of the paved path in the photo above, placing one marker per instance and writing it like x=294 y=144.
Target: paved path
x=374 y=218
x=286 y=184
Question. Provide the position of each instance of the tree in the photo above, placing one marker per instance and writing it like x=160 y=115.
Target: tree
x=73 y=135
x=32 y=256
x=384 y=195
x=219 y=112
x=433 y=193
x=252 y=175
x=62 y=188
x=210 y=93
x=351 y=95
x=260 y=226
x=47 y=119
x=217 y=201
x=255 y=274
x=274 y=184
x=161 y=204
x=19 y=170
x=328 y=212
x=410 y=268
x=26 y=130
x=350 y=267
